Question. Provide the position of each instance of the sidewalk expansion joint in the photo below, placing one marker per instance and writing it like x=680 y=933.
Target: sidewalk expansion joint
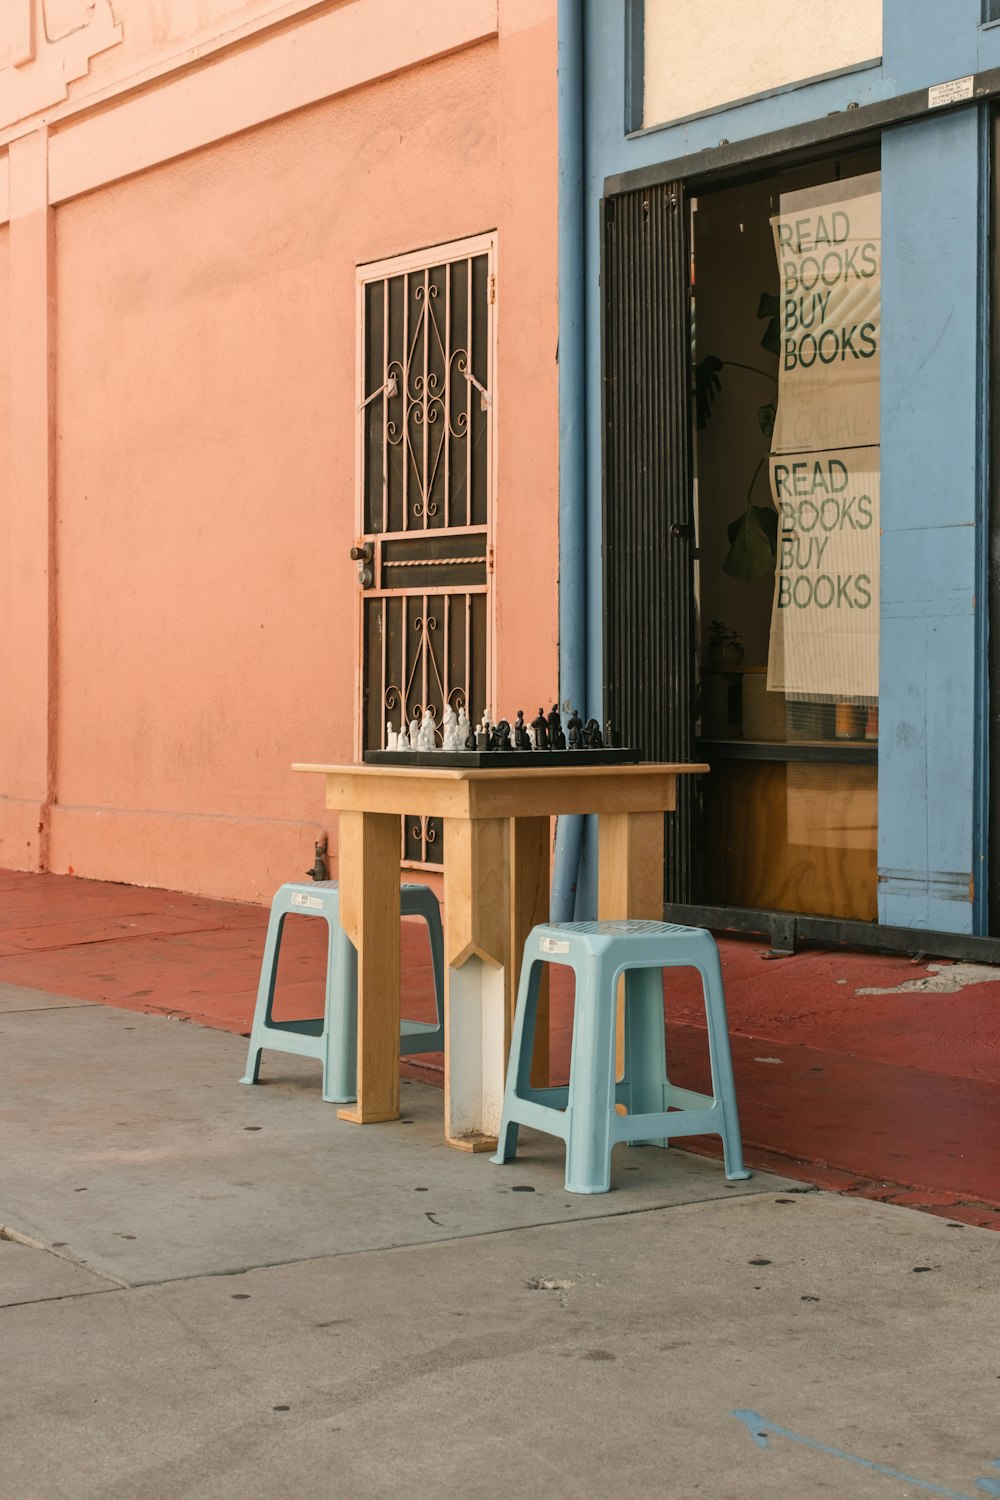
x=451 y=1239
x=94 y=1291
x=16 y=1237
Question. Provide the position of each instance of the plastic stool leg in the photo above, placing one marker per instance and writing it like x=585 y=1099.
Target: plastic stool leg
x=506 y=1142
x=420 y=901
x=437 y=964
x=252 y=1074
x=721 y=1061
x=340 y=1036
x=522 y=1042
x=645 y=1046
x=265 y=992
x=592 y=1081
x=519 y=1064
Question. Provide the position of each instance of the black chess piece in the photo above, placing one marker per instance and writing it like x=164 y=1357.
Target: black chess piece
x=522 y=740
x=505 y=744
x=541 y=728
x=592 y=736
x=575 y=727
x=472 y=740
x=609 y=735
x=557 y=740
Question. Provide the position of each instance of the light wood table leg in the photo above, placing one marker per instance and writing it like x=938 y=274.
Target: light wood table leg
x=629 y=883
x=630 y=866
x=369 y=913
x=530 y=844
x=477 y=940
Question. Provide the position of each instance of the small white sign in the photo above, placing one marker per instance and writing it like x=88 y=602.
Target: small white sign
x=950 y=93
x=552 y=945
x=316 y=902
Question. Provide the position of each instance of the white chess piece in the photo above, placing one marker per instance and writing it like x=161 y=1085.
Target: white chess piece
x=415 y=731
x=428 y=727
x=463 y=730
x=449 y=726
x=402 y=739
x=391 y=738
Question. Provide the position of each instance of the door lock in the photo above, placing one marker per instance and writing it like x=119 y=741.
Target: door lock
x=680 y=528
x=364 y=556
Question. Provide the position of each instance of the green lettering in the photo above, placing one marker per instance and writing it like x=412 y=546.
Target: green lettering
x=843 y=597
x=841 y=467
x=868 y=331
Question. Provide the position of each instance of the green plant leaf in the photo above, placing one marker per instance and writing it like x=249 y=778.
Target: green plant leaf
x=769 y=307
x=753 y=540
x=766 y=416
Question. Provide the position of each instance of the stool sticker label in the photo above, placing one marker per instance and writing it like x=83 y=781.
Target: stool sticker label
x=316 y=902
x=553 y=945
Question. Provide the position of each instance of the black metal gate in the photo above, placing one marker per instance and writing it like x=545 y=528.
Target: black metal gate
x=648 y=503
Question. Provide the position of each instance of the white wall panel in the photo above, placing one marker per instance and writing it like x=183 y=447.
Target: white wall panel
x=699 y=56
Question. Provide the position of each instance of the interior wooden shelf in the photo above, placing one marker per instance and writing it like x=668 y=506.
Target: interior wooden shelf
x=837 y=752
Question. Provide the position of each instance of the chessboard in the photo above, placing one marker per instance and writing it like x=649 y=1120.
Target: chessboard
x=496 y=760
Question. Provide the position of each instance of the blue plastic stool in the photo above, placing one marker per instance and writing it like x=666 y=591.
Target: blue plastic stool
x=333 y=1037
x=583 y=1114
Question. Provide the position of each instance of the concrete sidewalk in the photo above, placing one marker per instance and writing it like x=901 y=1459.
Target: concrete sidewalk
x=211 y=1291
x=865 y=1073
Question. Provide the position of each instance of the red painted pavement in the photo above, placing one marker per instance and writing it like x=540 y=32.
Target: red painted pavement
x=893 y=1096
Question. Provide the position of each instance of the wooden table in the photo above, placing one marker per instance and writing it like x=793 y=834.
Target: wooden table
x=496 y=888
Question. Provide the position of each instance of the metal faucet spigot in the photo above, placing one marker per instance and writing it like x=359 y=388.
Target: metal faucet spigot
x=321 y=867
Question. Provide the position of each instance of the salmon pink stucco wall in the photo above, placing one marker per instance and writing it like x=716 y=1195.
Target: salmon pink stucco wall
x=204 y=626
x=527 y=540
x=5 y=562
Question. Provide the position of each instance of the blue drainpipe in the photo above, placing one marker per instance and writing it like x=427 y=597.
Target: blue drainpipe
x=572 y=423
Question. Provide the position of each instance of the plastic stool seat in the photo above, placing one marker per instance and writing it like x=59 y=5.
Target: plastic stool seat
x=332 y=1037
x=583 y=1112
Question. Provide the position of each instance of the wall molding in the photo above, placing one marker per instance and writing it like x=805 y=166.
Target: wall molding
x=41 y=68
x=313 y=55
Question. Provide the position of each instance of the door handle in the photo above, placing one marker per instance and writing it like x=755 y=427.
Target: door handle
x=680 y=528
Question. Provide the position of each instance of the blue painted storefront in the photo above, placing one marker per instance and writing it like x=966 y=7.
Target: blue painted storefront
x=933 y=756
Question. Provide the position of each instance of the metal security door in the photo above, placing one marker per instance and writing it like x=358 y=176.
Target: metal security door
x=426 y=457
x=648 y=511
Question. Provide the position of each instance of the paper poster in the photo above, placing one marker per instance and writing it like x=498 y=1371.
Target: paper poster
x=825 y=617
x=824 y=464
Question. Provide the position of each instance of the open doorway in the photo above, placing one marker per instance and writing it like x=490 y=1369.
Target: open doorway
x=785 y=278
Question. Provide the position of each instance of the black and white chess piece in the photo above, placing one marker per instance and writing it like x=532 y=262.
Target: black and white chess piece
x=455 y=733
